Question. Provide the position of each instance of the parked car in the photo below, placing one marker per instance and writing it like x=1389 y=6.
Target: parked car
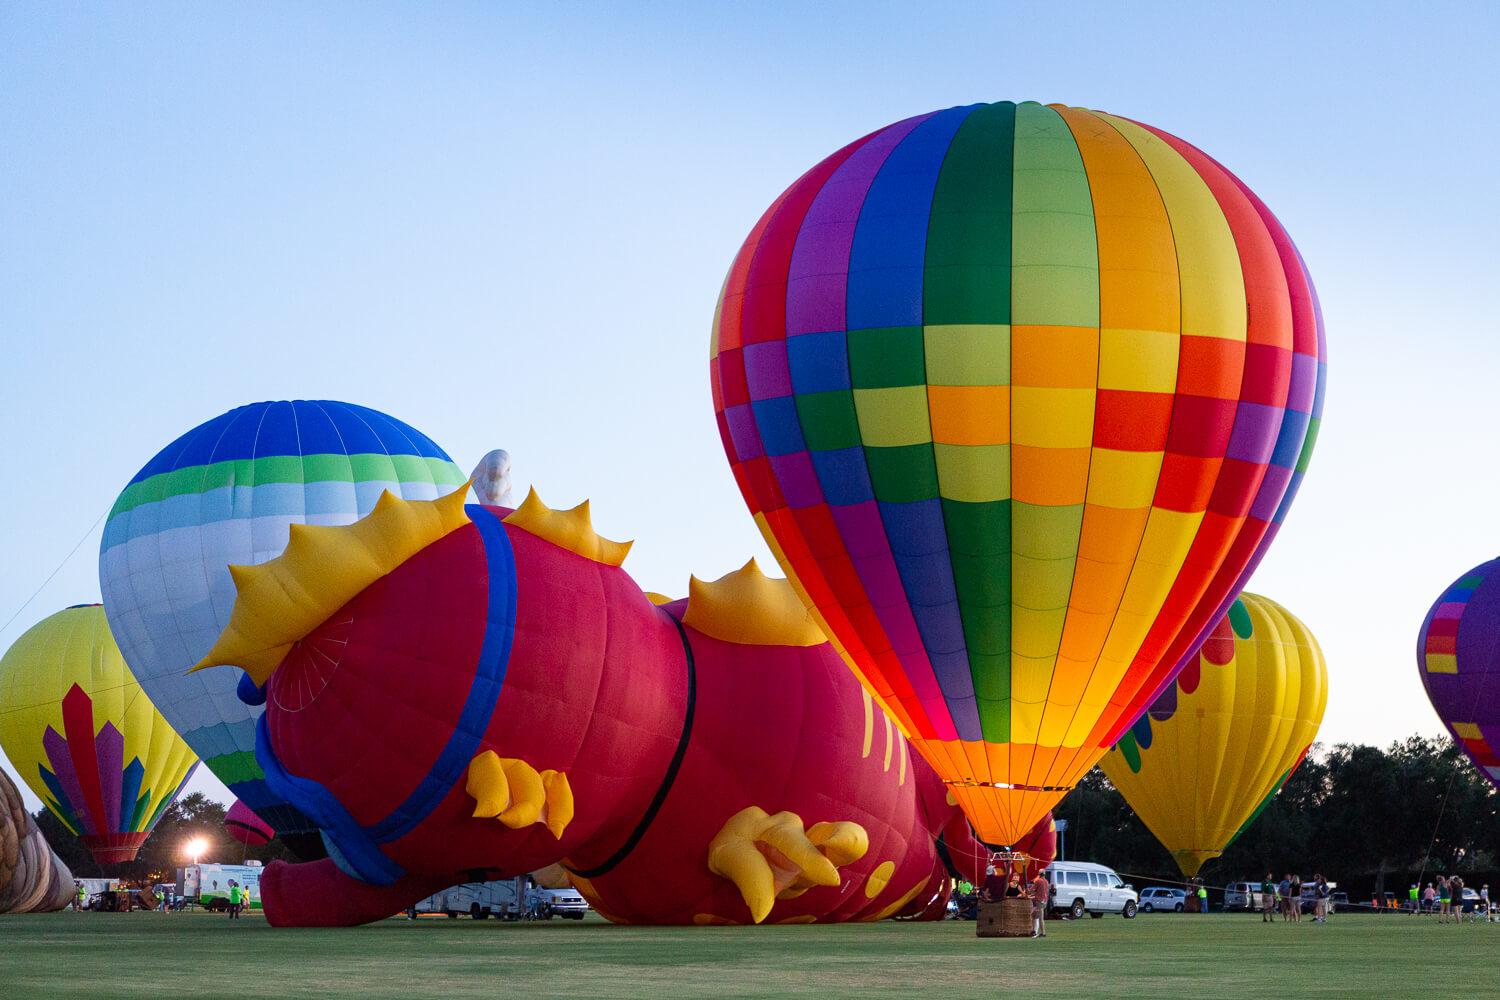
x=1242 y=896
x=1080 y=887
x=545 y=904
x=1310 y=896
x=1158 y=897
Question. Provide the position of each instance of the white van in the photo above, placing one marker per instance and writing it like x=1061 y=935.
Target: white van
x=1080 y=887
x=1243 y=896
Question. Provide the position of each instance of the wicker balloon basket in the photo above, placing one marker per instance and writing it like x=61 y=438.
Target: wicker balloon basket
x=1009 y=917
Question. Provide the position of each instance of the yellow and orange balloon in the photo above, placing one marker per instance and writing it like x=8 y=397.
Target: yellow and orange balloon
x=84 y=736
x=1203 y=761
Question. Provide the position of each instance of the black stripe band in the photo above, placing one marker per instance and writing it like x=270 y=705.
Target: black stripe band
x=672 y=768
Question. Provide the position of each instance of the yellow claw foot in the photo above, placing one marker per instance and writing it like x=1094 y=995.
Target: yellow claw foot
x=518 y=794
x=772 y=857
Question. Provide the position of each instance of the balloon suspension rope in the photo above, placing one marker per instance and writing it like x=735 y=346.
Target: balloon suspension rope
x=60 y=565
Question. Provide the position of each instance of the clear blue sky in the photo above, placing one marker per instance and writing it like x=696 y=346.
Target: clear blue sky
x=507 y=224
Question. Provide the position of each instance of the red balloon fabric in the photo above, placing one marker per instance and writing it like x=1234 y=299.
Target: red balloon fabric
x=498 y=702
x=243 y=825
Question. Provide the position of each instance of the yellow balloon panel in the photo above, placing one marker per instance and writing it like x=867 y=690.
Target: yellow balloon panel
x=1228 y=733
x=84 y=736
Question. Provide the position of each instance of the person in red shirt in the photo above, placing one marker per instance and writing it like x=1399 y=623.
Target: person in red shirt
x=1041 y=889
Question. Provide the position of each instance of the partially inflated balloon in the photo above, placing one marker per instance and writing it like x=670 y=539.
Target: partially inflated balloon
x=85 y=737
x=1017 y=395
x=224 y=494
x=32 y=878
x=1458 y=656
x=1039 y=845
x=1208 y=754
x=243 y=825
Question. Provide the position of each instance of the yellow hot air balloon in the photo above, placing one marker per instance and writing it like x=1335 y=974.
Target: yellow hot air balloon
x=84 y=736
x=1214 y=748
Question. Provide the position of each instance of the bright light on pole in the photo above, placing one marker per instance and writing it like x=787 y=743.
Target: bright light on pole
x=195 y=848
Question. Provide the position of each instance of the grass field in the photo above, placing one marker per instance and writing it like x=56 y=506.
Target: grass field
x=1201 y=957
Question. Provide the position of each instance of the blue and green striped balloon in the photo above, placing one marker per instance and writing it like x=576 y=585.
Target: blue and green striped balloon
x=224 y=493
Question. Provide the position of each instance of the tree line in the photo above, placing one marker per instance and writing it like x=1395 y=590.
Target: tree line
x=1373 y=820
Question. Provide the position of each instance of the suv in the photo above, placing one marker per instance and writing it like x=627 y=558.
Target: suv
x=1160 y=898
x=547 y=903
x=1080 y=887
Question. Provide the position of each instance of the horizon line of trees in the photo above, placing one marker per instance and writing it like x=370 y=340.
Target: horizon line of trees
x=1371 y=819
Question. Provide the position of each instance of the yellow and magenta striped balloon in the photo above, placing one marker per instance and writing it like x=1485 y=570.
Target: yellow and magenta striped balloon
x=84 y=736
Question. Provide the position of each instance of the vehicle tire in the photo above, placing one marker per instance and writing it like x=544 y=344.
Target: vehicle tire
x=474 y=911
x=1076 y=911
x=1146 y=907
x=1129 y=910
x=1177 y=908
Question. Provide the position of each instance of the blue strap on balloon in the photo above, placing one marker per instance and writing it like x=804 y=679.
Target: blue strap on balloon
x=355 y=848
x=249 y=692
x=484 y=692
x=357 y=853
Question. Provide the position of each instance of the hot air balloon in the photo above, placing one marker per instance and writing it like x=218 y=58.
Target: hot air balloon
x=85 y=737
x=224 y=494
x=32 y=878
x=243 y=825
x=1458 y=657
x=1208 y=755
x=1017 y=395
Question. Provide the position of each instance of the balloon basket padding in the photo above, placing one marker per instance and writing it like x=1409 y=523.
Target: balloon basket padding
x=1009 y=917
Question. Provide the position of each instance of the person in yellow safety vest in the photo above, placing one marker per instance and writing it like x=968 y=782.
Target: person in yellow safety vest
x=79 y=899
x=1202 y=898
x=234 y=900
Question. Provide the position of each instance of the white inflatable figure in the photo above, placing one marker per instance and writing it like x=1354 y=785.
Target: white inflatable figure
x=492 y=478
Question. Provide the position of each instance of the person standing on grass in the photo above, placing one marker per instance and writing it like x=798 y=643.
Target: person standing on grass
x=1412 y=894
x=1268 y=899
x=1320 y=893
x=1294 y=900
x=1202 y=897
x=1445 y=903
x=234 y=900
x=1041 y=891
x=1456 y=898
x=1283 y=897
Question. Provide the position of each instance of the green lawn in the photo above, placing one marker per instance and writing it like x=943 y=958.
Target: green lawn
x=1201 y=957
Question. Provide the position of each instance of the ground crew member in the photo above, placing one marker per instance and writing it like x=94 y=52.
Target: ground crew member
x=1202 y=898
x=234 y=900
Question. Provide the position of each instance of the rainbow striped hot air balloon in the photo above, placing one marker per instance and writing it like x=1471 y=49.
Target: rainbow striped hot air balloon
x=85 y=737
x=1209 y=754
x=1458 y=657
x=224 y=494
x=1017 y=395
